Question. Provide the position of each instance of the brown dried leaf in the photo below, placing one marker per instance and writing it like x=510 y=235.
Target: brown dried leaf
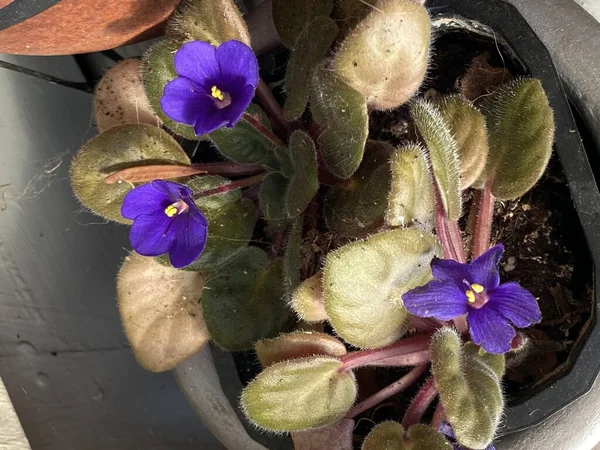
x=120 y=97
x=481 y=79
x=161 y=312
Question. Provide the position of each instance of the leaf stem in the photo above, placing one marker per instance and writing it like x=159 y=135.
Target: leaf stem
x=262 y=129
x=441 y=227
x=472 y=219
x=420 y=403
x=483 y=226
x=410 y=359
x=456 y=241
x=439 y=415
x=387 y=392
x=272 y=107
x=405 y=347
x=142 y=174
x=231 y=186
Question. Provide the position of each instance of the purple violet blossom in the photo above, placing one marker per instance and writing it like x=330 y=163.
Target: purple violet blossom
x=446 y=430
x=165 y=220
x=214 y=85
x=474 y=289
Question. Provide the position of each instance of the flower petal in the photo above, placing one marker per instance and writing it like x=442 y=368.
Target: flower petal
x=189 y=242
x=484 y=269
x=197 y=60
x=174 y=191
x=236 y=59
x=196 y=213
x=184 y=101
x=210 y=122
x=490 y=330
x=515 y=303
x=451 y=271
x=445 y=429
x=144 y=199
x=239 y=105
x=438 y=299
x=150 y=234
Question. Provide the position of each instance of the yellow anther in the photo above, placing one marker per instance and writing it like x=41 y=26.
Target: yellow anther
x=477 y=288
x=171 y=210
x=471 y=296
x=216 y=93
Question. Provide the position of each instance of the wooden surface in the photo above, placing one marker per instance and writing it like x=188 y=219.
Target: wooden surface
x=12 y=436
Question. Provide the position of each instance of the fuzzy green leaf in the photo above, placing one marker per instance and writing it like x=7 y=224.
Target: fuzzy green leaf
x=348 y=13
x=364 y=281
x=243 y=301
x=443 y=154
x=243 y=143
x=411 y=201
x=298 y=344
x=272 y=200
x=308 y=301
x=116 y=149
x=310 y=47
x=387 y=435
x=303 y=186
x=213 y=21
x=357 y=206
x=468 y=127
x=229 y=231
x=292 y=259
x=469 y=388
x=390 y=436
x=279 y=160
x=292 y=16
x=299 y=394
x=521 y=132
x=157 y=70
x=161 y=312
x=385 y=57
x=342 y=112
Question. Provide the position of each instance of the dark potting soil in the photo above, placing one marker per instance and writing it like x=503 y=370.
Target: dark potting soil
x=545 y=249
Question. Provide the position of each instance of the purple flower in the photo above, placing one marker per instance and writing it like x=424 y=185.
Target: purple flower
x=447 y=431
x=475 y=289
x=214 y=85
x=165 y=220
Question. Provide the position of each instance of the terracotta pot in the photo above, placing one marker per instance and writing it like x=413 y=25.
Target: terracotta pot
x=64 y=27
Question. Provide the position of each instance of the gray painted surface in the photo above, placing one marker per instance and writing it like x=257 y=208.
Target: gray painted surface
x=63 y=356
x=591 y=6
x=63 y=67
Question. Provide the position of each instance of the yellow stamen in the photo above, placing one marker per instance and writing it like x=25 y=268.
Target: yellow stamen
x=171 y=210
x=477 y=288
x=471 y=296
x=217 y=93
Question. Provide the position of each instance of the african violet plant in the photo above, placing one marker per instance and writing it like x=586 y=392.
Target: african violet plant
x=305 y=221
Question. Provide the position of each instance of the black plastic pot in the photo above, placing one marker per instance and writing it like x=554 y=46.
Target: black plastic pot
x=497 y=20
x=502 y=24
